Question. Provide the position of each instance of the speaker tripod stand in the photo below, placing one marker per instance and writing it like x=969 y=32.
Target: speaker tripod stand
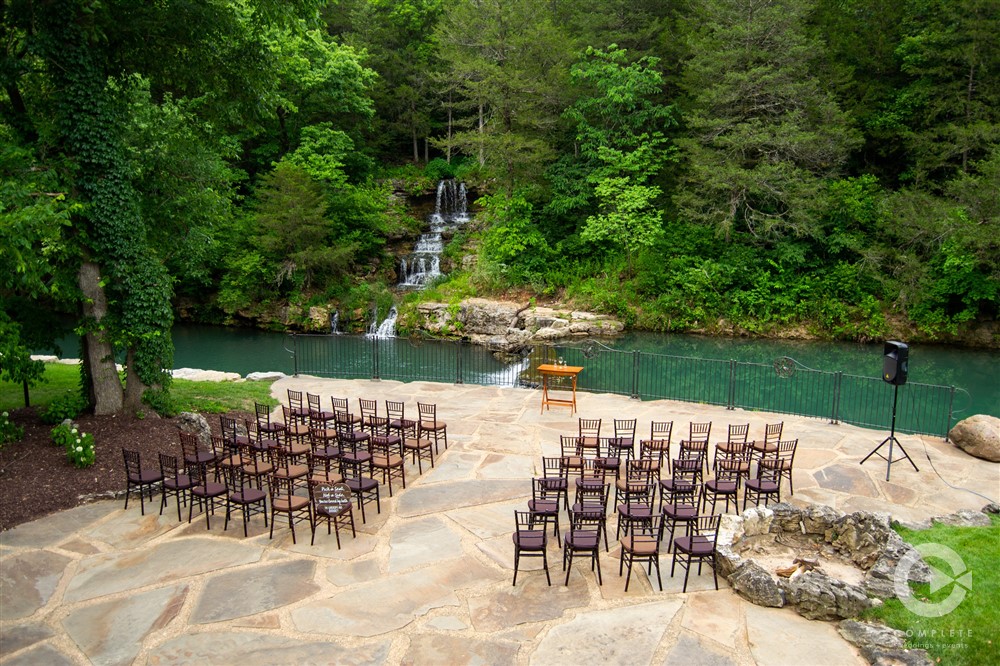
x=891 y=440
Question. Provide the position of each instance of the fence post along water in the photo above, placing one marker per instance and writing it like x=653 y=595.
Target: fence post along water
x=784 y=386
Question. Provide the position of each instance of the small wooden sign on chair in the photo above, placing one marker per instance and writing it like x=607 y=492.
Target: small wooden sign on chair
x=333 y=499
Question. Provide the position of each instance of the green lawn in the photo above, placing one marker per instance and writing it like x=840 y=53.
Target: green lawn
x=210 y=397
x=967 y=634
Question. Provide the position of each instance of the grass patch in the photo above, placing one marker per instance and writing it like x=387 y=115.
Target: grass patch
x=965 y=635
x=220 y=397
x=58 y=380
x=186 y=395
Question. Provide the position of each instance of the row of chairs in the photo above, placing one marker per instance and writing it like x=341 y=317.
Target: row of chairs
x=621 y=444
x=683 y=495
x=292 y=458
x=639 y=533
x=305 y=409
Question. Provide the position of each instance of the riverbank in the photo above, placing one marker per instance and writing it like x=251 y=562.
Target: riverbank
x=469 y=316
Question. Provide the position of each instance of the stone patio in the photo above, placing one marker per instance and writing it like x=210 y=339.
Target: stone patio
x=428 y=580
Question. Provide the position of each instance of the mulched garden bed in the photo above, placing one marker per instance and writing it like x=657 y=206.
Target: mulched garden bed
x=36 y=478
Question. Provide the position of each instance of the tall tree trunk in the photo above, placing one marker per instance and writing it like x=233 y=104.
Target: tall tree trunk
x=105 y=387
x=413 y=133
x=449 y=128
x=482 y=157
x=134 y=388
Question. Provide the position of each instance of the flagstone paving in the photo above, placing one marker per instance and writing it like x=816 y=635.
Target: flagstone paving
x=428 y=580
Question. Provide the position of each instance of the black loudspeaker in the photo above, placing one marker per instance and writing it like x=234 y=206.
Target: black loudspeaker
x=895 y=362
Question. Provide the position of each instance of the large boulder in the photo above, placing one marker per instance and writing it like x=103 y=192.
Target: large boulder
x=754 y=584
x=978 y=436
x=882 y=645
x=508 y=328
x=816 y=596
x=195 y=424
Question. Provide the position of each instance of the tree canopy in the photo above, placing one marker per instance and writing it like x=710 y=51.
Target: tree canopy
x=730 y=166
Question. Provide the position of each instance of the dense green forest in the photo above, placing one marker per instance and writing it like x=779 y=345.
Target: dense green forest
x=727 y=166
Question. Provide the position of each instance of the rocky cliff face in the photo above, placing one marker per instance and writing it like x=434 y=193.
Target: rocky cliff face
x=507 y=327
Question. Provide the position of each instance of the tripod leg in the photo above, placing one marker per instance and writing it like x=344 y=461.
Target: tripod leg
x=875 y=450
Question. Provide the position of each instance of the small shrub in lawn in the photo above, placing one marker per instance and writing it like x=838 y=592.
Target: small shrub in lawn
x=66 y=406
x=79 y=445
x=9 y=431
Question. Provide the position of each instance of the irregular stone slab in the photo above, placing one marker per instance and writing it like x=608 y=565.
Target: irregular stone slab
x=424 y=541
x=392 y=602
x=112 y=633
x=531 y=601
x=441 y=497
x=130 y=530
x=692 y=652
x=714 y=615
x=487 y=522
x=898 y=494
x=965 y=518
x=27 y=582
x=79 y=546
x=56 y=527
x=629 y=634
x=844 y=479
x=257 y=590
x=21 y=636
x=43 y=654
x=163 y=563
x=345 y=574
x=456 y=650
x=455 y=467
x=351 y=547
x=775 y=636
x=447 y=623
x=225 y=649
x=497 y=466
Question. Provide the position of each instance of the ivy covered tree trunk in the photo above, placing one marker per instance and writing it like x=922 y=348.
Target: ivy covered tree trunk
x=105 y=389
x=133 y=311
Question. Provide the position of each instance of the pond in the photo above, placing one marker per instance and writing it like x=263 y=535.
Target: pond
x=976 y=372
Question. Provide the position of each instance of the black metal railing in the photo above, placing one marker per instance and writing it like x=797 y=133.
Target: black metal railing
x=785 y=386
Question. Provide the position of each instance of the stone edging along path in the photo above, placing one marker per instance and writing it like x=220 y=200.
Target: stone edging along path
x=864 y=539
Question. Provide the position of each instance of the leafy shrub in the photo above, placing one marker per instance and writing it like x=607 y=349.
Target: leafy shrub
x=161 y=401
x=439 y=169
x=66 y=406
x=79 y=445
x=9 y=431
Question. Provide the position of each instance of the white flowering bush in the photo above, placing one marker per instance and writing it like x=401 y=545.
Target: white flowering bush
x=79 y=445
x=9 y=431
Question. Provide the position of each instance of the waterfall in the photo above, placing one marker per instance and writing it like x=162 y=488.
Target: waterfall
x=334 y=322
x=387 y=329
x=450 y=211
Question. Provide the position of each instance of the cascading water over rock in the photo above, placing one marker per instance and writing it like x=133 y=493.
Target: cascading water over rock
x=424 y=263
